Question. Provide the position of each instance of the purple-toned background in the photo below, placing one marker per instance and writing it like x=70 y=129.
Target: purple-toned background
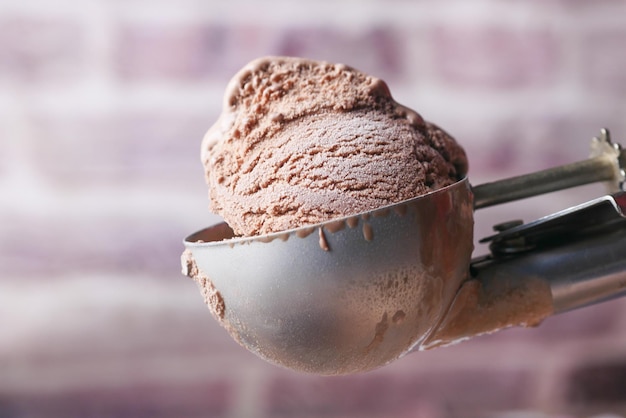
x=103 y=105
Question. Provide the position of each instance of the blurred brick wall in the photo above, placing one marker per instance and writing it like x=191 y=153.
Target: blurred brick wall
x=102 y=108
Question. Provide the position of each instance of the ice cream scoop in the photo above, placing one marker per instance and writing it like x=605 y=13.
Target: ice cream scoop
x=355 y=293
x=346 y=295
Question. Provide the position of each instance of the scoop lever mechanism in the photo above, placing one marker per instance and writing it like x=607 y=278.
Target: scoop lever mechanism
x=580 y=252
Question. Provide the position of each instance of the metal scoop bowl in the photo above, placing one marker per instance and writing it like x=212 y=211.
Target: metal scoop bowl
x=346 y=295
x=355 y=293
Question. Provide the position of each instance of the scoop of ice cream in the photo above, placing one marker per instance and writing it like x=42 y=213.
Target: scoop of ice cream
x=301 y=142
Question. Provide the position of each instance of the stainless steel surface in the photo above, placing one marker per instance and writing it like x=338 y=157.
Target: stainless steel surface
x=580 y=252
x=586 y=272
x=383 y=284
x=606 y=164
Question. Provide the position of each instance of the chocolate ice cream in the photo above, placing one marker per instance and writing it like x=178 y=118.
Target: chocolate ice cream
x=301 y=142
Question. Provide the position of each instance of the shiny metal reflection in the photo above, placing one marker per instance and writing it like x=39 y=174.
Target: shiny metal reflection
x=347 y=295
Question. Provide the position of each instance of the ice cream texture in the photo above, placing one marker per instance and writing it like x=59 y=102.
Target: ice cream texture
x=301 y=142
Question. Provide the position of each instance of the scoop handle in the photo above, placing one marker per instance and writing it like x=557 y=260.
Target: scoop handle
x=584 y=271
x=607 y=163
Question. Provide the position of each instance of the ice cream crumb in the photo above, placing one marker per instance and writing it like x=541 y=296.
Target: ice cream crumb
x=379 y=333
x=212 y=297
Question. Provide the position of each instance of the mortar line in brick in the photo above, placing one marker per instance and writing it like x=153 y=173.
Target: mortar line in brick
x=413 y=13
x=250 y=381
x=189 y=11
x=548 y=381
x=97 y=95
x=510 y=15
x=111 y=371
